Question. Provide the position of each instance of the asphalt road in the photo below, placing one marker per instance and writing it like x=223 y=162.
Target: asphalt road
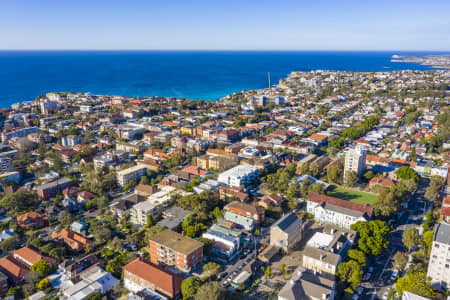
x=380 y=282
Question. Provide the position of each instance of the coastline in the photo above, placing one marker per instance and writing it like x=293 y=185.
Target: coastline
x=208 y=75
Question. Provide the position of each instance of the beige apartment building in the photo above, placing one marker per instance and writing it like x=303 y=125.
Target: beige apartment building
x=134 y=173
x=355 y=160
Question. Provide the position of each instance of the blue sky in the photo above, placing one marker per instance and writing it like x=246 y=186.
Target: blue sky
x=228 y=24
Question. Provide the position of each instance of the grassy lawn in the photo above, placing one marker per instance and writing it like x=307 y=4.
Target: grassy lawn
x=354 y=196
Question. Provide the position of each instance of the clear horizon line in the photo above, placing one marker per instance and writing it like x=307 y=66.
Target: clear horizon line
x=235 y=50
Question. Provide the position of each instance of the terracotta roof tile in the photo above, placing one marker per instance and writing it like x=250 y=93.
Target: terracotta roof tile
x=164 y=280
x=318 y=198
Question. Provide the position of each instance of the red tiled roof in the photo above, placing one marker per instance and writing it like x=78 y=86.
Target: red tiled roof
x=166 y=281
x=195 y=170
x=31 y=256
x=31 y=216
x=382 y=181
x=318 y=137
x=318 y=198
x=13 y=267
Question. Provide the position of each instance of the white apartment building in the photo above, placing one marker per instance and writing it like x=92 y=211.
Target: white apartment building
x=439 y=266
x=336 y=211
x=134 y=173
x=6 y=164
x=18 y=133
x=153 y=206
x=239 y=175
x=355 y=160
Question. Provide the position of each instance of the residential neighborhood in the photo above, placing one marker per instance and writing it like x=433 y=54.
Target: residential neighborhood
x=329 y=185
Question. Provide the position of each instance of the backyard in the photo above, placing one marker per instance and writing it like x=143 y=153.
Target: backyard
x=354 y=196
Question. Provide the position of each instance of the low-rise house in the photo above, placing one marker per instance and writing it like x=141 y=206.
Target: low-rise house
x=72 y=269
x=336 y=211
x=15 y=270
x=71 y=239
x=381 y=182
x=173 y=217
x=225 y=246
x=173 y=249
x=243 y=214
x=227 y=193
x=48 y=190
x=141 y=274
x=271 y=200
x=92 y=280
x=32 y=220
x=325 y=251
x=145 y=190
x=307 y=285
x=85 y=196
x=286 y=232
x=29 y=256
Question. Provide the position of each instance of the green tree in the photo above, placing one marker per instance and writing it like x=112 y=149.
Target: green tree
x=417 y=283
x=357 y=256
x=428 y=238
x=268 y=272
x=9 y=244
x=410 y=238
x=293 y=190
x=283 y=269
x=400 y=260
x=387 y=203
x=144 y=180
x=189 y=287
x=373 y=236
x=149 y=221
x=334 y=173
x=350 y=272
x=434 y=188
x=351 y=178
x=405 y=172
x=43 y=284
x=212 y=268
x=210 y=291
x=42 y=267
x=94 y=296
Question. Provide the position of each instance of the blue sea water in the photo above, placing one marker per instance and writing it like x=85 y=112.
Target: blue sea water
x=207 y=75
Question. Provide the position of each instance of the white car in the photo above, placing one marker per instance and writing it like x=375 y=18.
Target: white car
x=385 y=295
x=394 y=275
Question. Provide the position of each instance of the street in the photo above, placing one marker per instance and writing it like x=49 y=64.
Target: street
x=380 y=282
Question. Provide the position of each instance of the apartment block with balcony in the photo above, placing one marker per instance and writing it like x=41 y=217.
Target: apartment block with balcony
x=173 y=249
x=134 y=173
x=439 y=266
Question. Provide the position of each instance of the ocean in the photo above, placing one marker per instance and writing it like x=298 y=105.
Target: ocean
x=207 y=75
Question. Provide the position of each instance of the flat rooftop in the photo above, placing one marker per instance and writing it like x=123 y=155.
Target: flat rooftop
x=176 y=241
x=320 y=240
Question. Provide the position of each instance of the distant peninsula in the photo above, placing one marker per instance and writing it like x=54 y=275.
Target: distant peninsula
x=436 y=61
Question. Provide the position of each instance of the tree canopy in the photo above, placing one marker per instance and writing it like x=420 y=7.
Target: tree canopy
x=415 y=282
x=373 y=236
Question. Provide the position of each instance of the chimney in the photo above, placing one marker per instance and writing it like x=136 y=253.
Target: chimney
x=322 y=257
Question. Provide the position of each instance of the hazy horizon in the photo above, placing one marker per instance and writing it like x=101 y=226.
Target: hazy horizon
x=251 y=25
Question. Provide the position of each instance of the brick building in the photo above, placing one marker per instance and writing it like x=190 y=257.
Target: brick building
x=173 y=249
